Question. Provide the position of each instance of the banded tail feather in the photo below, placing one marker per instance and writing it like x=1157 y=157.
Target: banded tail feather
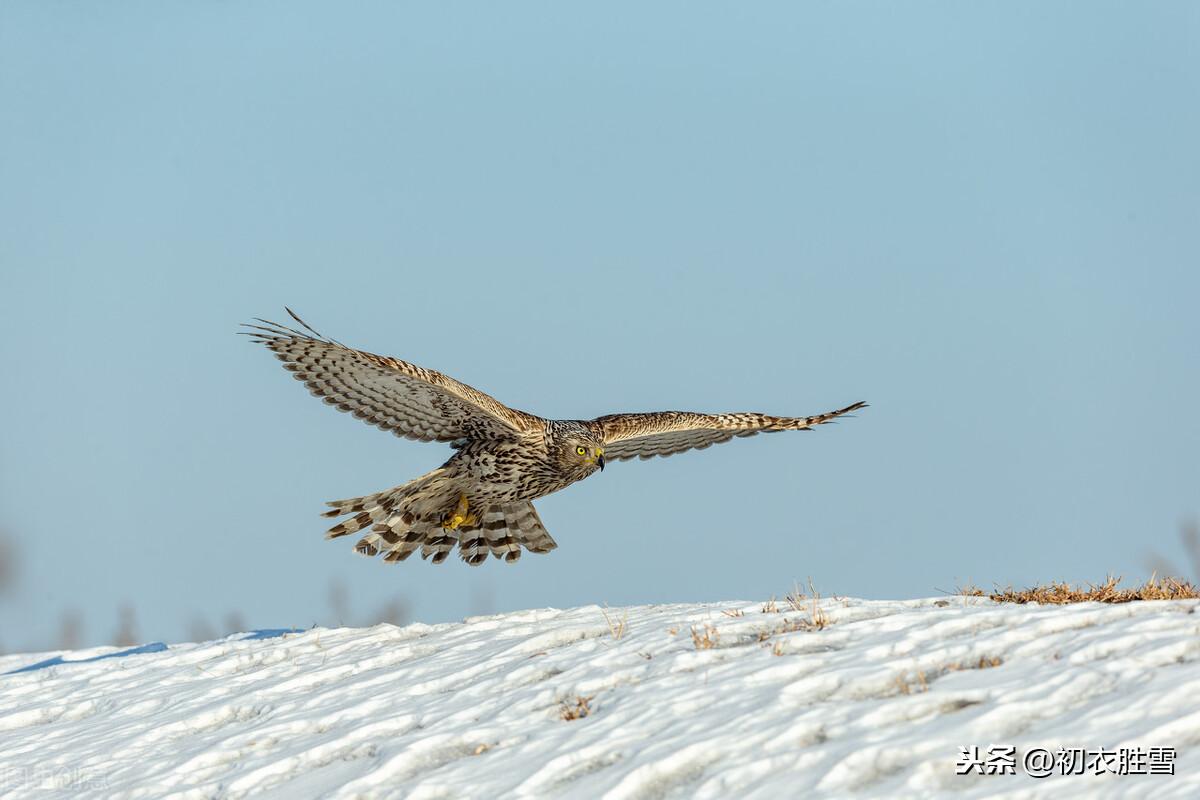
x=408 y=518
x=501 y=530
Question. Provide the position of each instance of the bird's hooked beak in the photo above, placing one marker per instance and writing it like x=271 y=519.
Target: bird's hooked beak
x=600 y=460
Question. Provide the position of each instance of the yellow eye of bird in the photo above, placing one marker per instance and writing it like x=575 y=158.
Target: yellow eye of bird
x=581 y=450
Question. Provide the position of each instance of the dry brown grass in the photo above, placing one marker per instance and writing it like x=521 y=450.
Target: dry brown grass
x=984 y=662
x=615 y=626
x=919 y=680
x=796 y=599
x=918 y=683
x=793 y=625
x=1107 y=592
x=576 y=710
x=705 y=639
x=808 y=603
x=811 y=616
x=818 y=619
x=787 y=626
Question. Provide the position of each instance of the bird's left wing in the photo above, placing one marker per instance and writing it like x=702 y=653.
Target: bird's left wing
x=665 y=433
x=393 y=395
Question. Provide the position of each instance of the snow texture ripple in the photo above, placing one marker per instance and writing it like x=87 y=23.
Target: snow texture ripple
x=878 y=703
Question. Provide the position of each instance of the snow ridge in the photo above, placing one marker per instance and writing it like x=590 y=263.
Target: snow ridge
x=851 y=697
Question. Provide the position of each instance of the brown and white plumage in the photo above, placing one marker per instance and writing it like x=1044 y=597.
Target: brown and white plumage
x=480 y=499
x=391 y=394
x=666 y=433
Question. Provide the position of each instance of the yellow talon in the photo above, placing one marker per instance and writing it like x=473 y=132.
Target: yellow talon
x=459 y=516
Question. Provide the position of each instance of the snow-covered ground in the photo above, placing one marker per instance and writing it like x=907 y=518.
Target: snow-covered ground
x=879 y=702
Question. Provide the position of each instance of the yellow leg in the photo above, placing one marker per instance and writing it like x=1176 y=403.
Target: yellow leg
x=459 y=516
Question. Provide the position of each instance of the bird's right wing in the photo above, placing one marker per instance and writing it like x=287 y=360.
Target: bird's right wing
x=665 y=433
x=391 y=394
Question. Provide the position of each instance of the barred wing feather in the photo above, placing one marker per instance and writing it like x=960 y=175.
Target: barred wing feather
x=666 y=433
x=393 y=395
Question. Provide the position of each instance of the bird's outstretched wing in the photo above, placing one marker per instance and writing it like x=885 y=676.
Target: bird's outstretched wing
x=391 y=394
x=665 y=433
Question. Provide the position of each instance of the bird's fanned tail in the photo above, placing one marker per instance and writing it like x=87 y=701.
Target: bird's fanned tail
x=410 y=517
x=503 y=529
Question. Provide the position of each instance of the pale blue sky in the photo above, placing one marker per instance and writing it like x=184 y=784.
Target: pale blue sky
x=983 y=219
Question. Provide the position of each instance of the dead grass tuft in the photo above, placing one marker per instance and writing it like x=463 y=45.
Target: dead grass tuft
x=818 y=619
x=919 y=680
x=577 y=710
x=796 y=598
x=770 y=607
x=615 y=627
x=734 y=612
x=984 y=662
x=809 y=603
x=1107 y=592
x=917 y=684
x=705 y=639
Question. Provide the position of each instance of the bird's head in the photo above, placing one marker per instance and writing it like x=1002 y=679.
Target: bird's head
x=579 y=450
